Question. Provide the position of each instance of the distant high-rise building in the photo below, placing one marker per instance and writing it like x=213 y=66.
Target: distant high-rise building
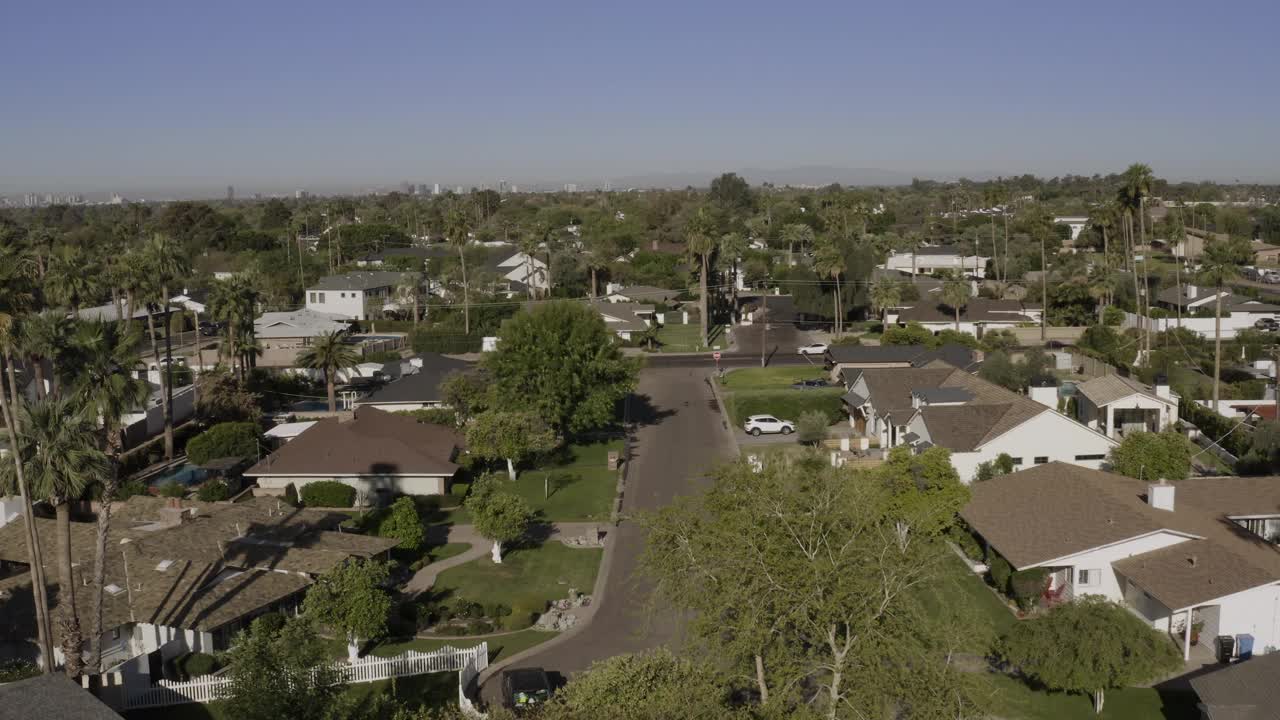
x=457 y=189
x=231 y=193
x=502 y=186
x=515 y=188
x=299 y=194
x=571 y=187
x=406 y=187
x=31 y=200
x=608 y=186
x=435 y=189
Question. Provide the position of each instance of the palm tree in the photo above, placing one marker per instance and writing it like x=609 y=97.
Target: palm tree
x=72 y=278
x=529 y=242
x=43 y=338
x=828 y=261
x=101 y=357
x=22 y=488
x=234 y=302
x=1132 y=196
x=955 y=295
x=796 y=234
x=1219 y=263
x=60 y=458
x=700 y=243
x=457 y=228
x=167 y=263
x=410 y=290
x=330 y=355
x=885 y=293
x=732 y=247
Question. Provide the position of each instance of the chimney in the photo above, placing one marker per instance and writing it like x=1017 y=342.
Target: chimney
x=1160 y=495
x=1192 y=292
x=1162 y=387
x=1045 y=392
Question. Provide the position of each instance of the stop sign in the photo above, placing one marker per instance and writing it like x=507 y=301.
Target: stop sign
x=716 y=355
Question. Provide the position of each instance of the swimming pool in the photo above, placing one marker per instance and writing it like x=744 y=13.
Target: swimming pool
x=185 y=474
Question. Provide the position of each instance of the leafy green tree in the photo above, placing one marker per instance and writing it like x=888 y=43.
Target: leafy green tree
x=330 y=355
x=925 y=491
x=811 y=427
x=559 y=361
x=511 y=436
x=792 y=569
x=350 y=599
x=912 y=334
x=235 y=439
x=498 y=515
x=1002 y=465
x=285 y=673
x=1088 y=646
x=1152 y=456
x=221 y=397
x=730 y=193
x=655 y=685
x=403 y=523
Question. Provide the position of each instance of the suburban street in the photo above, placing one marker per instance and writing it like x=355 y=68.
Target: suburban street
x=678 y=438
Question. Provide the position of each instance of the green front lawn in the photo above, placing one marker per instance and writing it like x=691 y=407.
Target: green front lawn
x=581 y=486
x=533 y=575
x=785 y=404
x=674 y=337
x=773 y=378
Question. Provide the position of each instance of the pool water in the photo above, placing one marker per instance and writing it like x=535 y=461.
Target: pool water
x=185 y=474
x=310 y=406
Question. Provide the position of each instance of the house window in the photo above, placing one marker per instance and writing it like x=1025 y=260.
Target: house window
x=1042 y=459
x=1016 y=461
x=1088 y=578
x=321 y=295
x=115 y=633
x=1090 y=457
x=313 y=297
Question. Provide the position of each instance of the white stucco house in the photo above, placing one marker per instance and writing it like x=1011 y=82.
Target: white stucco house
x=941 y=405
x=1115 y=405
x=927 y=260
x=976 y=317
x=352 y=295
x=1196 y=557
x=625 y=319
x=380 y=454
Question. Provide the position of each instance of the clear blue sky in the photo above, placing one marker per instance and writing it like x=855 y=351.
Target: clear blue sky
x=277 y=94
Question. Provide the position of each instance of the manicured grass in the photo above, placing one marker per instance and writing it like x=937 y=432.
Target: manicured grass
x=448 y=550
x=499 y=647
x=540 y=574
x=784 y=404
x=1015 y=699
x=674 y=337
x=584 y=491
x=773 y=378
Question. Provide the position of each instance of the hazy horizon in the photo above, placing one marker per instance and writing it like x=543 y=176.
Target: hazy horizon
x=153 y=98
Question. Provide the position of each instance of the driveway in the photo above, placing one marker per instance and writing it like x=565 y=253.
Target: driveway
x=678 y=439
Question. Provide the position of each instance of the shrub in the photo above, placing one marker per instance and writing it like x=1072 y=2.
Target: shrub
x=466 y=609
x=1026 y=586
x=1000 y=572
x=328 y=493
x=173 y=490
x=477 y=627
x=230 y=439
x=271 y=623
x=434 y=416
x=811 y=428
x=130 y=489
x=291 y=495
x=194 y=665
x=524 y=613
x=416 y=565
x=496 y=610
x=459 y=491
x=14 y=670
x=402 y=523
x=213 y=491
x=967 y=543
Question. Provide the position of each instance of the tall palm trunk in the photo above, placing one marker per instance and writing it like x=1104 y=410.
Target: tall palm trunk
x=164 y=385
x=329 y=388
x=167 y=374
x=706 y=309
x=1217 y=344
x=34 y=556
x=1106 y=261
x=111 y=444
x=466 y=294
x=1133 y=263
x=37 y=369
x=69 y=618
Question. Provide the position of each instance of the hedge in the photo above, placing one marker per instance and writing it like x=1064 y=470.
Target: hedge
x=213 y=491
x=1216 y=427
x=230 y=439
x=194 y=665
x=328 y=493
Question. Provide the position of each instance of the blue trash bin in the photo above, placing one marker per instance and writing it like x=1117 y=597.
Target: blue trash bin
x=1244 y=646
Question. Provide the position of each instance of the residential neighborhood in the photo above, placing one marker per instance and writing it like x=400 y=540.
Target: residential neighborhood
x=623 y=362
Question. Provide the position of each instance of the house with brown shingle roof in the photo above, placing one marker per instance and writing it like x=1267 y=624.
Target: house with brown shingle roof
x=1115 y=405
x=376 y=453
x=180 y=576
x=941 y=405
x=1202 y=550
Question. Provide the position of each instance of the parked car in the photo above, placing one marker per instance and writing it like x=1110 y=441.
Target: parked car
x=1268 y=324
x=812 y=349
x=757 y=425
x=813 y=383
x=525 y=688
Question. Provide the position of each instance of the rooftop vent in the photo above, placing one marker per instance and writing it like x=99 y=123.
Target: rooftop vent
x=1160 y=495
x=113 y=589
x=164 y=565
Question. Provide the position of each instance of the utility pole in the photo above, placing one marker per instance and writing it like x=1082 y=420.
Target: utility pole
x=1275 y=374
x=764 y=313
x=1044 y=293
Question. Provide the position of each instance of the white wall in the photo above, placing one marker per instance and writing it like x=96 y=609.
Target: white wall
x=1203 y=326
x=347 y=303
x=1254 y=612
x=1048 y=434
x=400 y=407
x=365 y=486
x=1101 y=558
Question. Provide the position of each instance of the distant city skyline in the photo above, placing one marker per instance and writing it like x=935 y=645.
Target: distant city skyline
x=155 y=98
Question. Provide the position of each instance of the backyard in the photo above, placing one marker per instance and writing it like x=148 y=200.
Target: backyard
x=1013 y=698
x=756 y=391
x=527 y=574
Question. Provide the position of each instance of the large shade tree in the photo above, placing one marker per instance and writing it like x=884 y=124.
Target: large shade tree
x=498 y=515
x=510 y=436
x=350 y=599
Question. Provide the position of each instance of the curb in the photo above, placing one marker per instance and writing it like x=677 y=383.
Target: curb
x=724 y=419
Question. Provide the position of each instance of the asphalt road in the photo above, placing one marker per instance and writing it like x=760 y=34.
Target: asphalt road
x=679 y=437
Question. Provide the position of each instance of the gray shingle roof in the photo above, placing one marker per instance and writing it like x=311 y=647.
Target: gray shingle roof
x=53 y=697
x=1248 y=690
x=422 y=386
x=361 y=280
x=1110 y=388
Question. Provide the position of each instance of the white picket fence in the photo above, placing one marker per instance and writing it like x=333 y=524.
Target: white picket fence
x=466 y=662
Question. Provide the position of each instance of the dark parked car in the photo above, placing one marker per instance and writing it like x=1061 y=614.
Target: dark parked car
x=1269 y=324
x=814 y=383
x=525 y=688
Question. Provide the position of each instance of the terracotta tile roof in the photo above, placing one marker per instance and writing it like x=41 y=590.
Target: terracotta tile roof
x=374 y=443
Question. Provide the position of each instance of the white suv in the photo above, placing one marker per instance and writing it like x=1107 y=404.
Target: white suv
x=759 y=424
x=812 y=349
